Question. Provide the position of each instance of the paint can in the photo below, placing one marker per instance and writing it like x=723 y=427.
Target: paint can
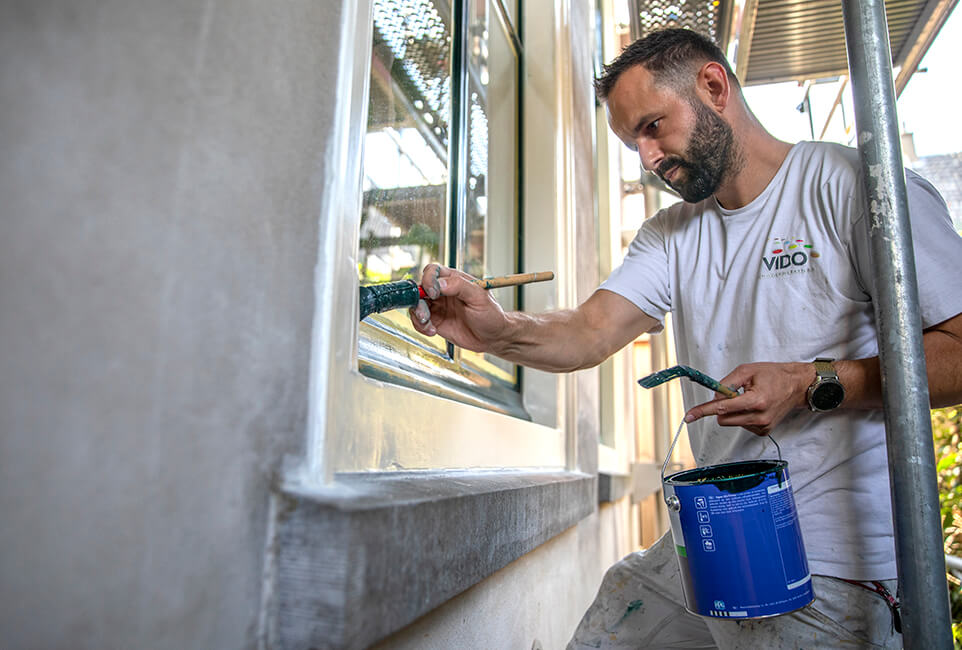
x=737 y=539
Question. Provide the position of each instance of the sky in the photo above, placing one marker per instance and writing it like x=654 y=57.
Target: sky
x=929 y=107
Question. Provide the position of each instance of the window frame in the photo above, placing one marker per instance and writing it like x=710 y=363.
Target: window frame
x=396 y=354
x=616 y=444
x=336 y=533
x=395 y=417
x=343 y=400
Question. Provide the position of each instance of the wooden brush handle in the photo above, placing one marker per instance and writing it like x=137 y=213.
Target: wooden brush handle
x=514 y=279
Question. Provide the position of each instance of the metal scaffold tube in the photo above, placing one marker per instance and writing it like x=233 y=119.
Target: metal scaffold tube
x=915 y=498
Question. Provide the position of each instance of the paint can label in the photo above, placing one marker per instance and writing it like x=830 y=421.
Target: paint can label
x=738 y=540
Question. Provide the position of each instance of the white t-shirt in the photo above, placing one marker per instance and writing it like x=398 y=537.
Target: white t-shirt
x=788 y=278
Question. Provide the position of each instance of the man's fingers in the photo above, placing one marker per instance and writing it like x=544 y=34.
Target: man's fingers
x=708 y=408
x=732 y=413
x=421 y=319
x=737 y=378
x=440 y=281
x=421 y=313
x=720 y=406
x=462 y=287
x=429 y=280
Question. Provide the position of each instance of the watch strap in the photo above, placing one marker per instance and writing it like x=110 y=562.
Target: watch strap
x=825 y=375
x=824 y=368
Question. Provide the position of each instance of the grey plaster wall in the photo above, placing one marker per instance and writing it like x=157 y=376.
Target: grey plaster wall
x=160 y=178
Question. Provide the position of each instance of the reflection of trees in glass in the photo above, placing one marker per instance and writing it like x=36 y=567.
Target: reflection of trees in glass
x=400 y=229
x=419 y=243
x=418 y=205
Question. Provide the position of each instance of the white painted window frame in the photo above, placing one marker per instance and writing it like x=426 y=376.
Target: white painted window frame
x=357 y=423
x=616 y=451
x=389 y=473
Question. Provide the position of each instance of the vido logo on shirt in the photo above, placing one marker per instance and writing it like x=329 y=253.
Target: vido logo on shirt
x=788 y=254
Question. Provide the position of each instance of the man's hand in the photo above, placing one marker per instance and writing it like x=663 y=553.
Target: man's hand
x=771 y=391
x=459 y=310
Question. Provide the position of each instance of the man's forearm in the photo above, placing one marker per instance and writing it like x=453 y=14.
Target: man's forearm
x=560 y=341
x=572 y=339
x=862 y=378
x=862 y=381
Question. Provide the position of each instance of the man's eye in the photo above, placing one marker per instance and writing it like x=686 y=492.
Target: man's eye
x=653 y=125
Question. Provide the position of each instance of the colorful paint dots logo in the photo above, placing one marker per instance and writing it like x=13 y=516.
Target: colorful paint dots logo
x=785 y=245
x=787 y=252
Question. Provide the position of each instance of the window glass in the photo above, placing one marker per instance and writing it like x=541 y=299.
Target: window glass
x=491 y=225
x=404 y=214
x=441 y=174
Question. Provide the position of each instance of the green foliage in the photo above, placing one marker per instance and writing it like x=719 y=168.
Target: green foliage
x=946 y=427
x=422 y=235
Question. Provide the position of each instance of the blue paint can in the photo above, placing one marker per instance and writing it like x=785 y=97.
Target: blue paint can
x=737 y=539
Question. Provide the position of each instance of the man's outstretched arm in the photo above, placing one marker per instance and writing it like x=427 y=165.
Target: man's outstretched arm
x=559 y=341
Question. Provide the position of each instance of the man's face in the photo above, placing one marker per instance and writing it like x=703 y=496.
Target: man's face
x=683 y=141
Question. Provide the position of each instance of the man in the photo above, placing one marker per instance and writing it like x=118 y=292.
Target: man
x=765 y=266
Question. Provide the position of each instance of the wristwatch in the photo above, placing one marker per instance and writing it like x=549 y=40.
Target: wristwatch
x=826 y=392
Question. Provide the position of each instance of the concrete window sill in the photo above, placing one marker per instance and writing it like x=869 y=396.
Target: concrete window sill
x=357 y=560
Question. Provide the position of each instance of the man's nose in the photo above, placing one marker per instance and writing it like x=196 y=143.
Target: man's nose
x=650 y=155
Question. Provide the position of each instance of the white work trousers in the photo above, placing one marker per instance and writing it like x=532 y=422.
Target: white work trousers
x=640 y=605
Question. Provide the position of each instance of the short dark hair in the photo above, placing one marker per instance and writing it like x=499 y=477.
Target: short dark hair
x=669 y=54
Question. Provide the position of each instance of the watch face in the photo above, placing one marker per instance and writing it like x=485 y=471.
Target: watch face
x=827 y=395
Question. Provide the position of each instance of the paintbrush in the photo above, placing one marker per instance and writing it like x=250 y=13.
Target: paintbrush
x=696 y=376
x=376 y=298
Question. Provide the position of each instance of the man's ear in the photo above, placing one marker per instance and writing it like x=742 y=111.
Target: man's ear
x=713 y=86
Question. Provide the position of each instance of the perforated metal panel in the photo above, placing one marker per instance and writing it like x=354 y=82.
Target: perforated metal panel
x=419 y=38
x=697 y=15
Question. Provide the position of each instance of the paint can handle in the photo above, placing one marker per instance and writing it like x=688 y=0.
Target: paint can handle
x=674 y=440
x=671 y=448
x=777 y=448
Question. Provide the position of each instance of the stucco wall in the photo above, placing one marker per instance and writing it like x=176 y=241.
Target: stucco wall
x=160 y=174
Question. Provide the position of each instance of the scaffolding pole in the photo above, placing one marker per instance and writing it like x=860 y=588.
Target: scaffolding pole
x=926 y=621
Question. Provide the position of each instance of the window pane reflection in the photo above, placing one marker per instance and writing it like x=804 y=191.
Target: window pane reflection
x=491 y=218
x=407 y=218
x=406 y=145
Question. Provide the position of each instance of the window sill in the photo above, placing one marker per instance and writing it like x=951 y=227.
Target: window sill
x=613 y=487
x=369 y=554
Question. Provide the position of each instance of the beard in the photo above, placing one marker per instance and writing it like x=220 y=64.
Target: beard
x=709 y=156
